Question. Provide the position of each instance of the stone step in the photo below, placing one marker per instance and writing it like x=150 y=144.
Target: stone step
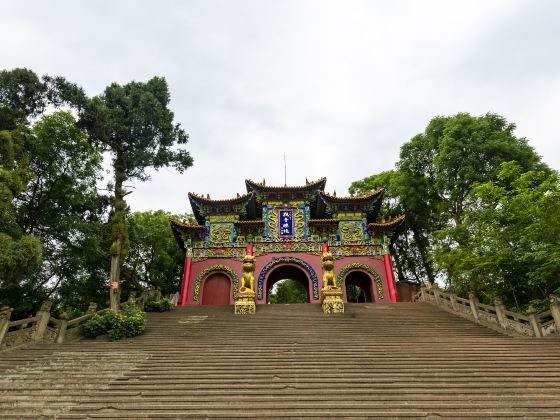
x=289 y=361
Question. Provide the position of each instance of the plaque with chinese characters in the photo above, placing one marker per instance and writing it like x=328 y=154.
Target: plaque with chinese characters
x=286 y=222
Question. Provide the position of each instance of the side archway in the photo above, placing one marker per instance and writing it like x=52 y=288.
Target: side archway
x=359 y=266
x=287 y=260
x=215 y=268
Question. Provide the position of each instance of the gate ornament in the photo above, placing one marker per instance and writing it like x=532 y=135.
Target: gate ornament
x=246 y=298
x=331 y=295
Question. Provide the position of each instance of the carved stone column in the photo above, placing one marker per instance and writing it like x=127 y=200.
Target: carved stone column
x=62 y=328
x=555 y=311
x=44 y=315
x=473 y=300
x=453 y=301
x=92 y=308
x=532 y=314
x=436 y=297
x=5 y=314
x=500 y=313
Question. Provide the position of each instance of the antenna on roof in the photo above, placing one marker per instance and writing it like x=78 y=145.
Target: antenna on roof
x=285 y=159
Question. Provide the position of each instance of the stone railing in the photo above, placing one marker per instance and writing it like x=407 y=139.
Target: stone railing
x=44 y=327
x=497 y=316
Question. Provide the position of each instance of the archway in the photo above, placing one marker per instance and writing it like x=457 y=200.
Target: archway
x=358 y=287
x=289 y=273
x=292 y=261
x=216 y=289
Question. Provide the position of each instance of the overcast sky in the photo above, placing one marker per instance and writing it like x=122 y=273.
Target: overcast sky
x=338 y=86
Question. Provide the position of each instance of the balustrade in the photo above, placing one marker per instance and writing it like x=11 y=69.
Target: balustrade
x=44 y=327
x=496 y=316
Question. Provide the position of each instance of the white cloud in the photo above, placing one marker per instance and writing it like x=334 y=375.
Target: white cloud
x=337 y=85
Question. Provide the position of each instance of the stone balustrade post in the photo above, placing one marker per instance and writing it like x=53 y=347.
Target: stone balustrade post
x=143 y=299
x=500 y=313
x=555 y=311
x=43 y=316
x=423 y=294
x=61 y=334
x=5 y=315
x=473 y=300
x=453 y=301
x=532 y=314
x=436 y=297
x=132 y=297
x=157 y=295
x=92 y=308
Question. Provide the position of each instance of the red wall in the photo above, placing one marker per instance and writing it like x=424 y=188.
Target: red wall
x=262 y=260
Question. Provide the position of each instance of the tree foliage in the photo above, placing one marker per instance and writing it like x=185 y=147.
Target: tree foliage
x=154 y=260
x=288 y=291
x=513 y=252
x=437 y=184
x=47 y=186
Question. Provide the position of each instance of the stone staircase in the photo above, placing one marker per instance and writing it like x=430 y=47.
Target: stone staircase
x=402 y=360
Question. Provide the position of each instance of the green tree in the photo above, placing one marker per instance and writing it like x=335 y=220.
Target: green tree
x=514 y=252
x=61 y=204
x=24 y=97
x=433 y=184
x=153 y=260
x=288 y=291
x=405 y=196
x=134 y=124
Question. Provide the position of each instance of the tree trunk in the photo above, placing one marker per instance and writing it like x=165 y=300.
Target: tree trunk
x=119 y=233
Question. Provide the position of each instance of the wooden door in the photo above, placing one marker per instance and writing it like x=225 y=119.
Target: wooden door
x=217 y=290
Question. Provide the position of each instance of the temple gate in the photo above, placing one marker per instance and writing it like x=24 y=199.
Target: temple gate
x=286 y=229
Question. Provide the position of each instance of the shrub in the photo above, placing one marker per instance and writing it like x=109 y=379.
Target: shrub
x=161 y=305
x=128 y=322
x=127 y=325
x=98 y=325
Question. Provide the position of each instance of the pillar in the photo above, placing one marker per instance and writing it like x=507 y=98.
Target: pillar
x=186 y=277
x=63 y=326
x=555 y=311
x=43 y=315
x=249 y=249
x=390 y=277
x=5 y=315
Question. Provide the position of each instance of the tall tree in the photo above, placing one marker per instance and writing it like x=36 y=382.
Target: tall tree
x=61 y=204
x=135 y=125
x=410 y=196
x=24 y=97
x=434 y=181
x=513 y=252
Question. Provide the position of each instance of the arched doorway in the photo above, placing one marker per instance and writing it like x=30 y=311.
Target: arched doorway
x=288 y=273
x=216 y=289
x=358 y=287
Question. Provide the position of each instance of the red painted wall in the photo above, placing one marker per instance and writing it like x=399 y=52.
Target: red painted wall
x=262 y=260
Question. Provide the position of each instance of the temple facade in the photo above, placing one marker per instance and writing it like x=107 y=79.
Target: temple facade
x=286 y=229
